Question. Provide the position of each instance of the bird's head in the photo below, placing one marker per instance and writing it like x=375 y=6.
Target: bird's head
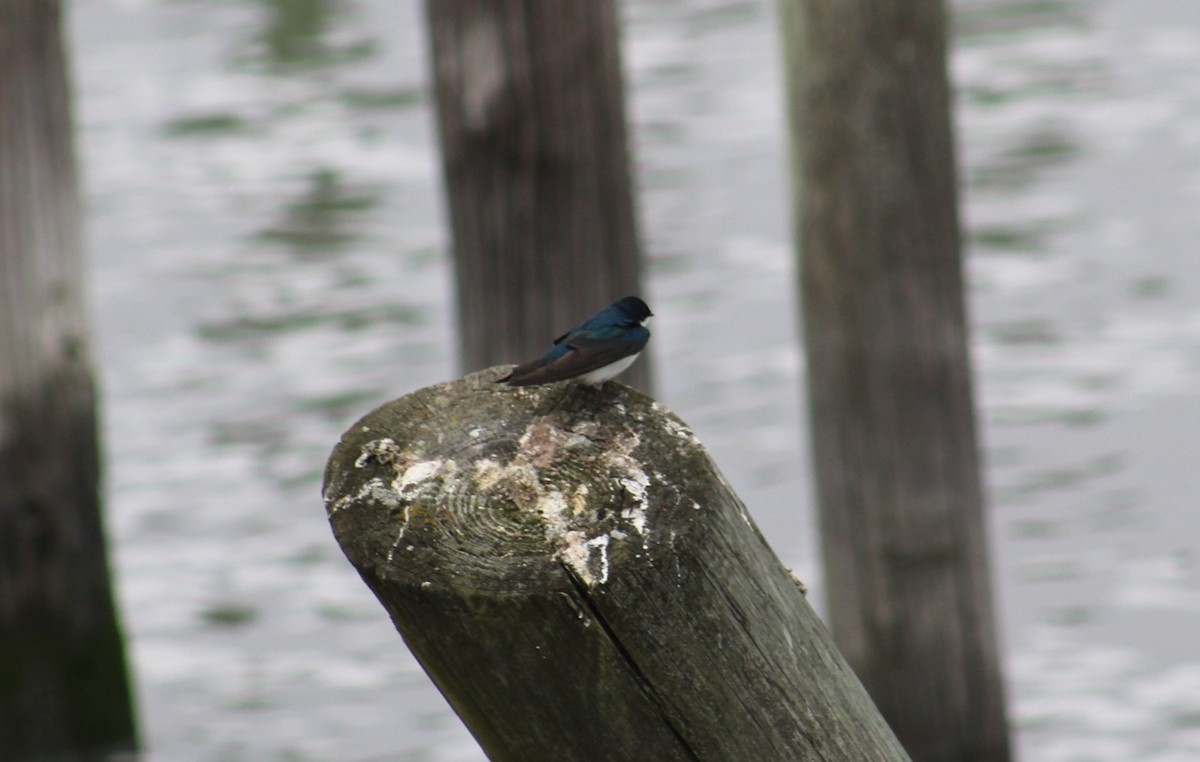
x=633 y=308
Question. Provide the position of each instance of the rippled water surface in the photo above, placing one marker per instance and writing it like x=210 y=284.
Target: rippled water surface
x=268 y=262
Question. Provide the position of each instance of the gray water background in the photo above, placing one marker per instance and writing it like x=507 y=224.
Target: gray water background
x=268 y=260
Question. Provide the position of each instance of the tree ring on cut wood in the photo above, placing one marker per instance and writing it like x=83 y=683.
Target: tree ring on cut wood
x=491 y=487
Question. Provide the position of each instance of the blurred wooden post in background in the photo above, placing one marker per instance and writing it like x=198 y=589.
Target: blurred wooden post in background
x=897 y=465
x=64 y=692
x=536 y=161
x=580 y=582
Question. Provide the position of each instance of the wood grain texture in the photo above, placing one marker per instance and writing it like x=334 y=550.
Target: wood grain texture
x=535 y=155
x=889 y=382
x=64 y=693
x=578 y=579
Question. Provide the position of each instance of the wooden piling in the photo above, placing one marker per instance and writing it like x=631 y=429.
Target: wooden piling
x=64 y=688
x=576 y=576
x=896 y=453
x=535 y=155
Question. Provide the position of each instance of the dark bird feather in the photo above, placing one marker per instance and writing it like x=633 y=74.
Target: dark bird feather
x=595 y=350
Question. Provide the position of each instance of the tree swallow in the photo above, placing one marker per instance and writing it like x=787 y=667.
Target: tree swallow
x=594 y=351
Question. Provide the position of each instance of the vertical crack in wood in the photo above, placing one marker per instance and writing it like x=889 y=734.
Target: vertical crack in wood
x=643 y=681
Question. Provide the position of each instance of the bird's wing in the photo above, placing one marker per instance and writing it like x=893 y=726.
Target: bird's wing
x=588 y=351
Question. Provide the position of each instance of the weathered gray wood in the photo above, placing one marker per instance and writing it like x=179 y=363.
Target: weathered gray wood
x=893 y=426
x=64 y=693
x=536 y=160
x=581 y=583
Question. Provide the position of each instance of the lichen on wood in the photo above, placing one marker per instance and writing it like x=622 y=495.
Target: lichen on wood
x=569 y=483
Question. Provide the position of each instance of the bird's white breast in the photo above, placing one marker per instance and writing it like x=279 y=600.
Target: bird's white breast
x=600 y=375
